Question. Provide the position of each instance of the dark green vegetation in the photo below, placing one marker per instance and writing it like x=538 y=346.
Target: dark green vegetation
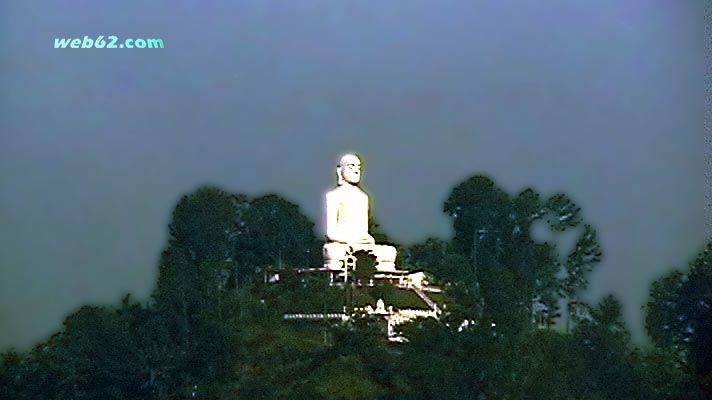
x=214 y=329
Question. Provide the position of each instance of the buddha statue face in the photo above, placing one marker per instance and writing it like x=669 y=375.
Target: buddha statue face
x=349 y=169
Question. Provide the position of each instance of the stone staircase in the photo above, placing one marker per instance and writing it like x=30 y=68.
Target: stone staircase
x=424 y=297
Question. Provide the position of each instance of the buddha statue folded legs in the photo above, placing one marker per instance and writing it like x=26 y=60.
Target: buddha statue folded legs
x=335 y=255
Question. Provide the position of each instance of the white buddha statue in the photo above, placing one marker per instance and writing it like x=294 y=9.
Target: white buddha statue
x=347 y=220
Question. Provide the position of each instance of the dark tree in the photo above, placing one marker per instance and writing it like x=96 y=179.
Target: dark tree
x=437 y=257
x=679 y=314
x=365 y=267
x=514 y=272
x=276 y=233
x=206 y=222
x=602 y=343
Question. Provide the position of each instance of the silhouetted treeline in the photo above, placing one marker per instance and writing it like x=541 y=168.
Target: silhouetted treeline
x=214 y=326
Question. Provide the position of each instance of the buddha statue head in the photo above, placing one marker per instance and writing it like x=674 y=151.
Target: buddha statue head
x=349 y=170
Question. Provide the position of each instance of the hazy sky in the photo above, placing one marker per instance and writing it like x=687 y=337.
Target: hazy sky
x=600 y=100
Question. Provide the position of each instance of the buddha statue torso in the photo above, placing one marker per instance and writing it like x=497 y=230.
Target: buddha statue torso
x=347 y=215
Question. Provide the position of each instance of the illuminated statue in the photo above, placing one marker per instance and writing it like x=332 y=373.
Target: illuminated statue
x=347 y=221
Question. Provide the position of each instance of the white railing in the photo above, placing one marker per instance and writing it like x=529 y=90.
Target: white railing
x=316 y=316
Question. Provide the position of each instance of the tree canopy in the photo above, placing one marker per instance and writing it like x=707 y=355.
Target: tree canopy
x=516 y=276
x=679 y=315
x=215 y=329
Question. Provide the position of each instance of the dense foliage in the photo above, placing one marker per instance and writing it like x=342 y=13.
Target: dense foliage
x=214 y=328
x=679 y=316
